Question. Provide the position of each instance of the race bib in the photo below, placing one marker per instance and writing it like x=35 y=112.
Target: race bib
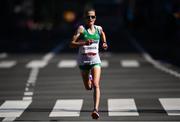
x=93 y=48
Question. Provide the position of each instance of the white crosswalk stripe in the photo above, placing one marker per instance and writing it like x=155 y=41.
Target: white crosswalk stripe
x=171 y=105
x=67 y=64
x=67 y=108
x=122 y=107
x=116 y=107
x=129 y=63
x=7 y=64
x=12 y=109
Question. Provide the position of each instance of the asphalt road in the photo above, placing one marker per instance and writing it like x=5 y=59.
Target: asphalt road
x=48 y=87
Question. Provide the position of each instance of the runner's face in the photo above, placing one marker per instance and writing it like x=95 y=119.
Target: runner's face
x=90 y=18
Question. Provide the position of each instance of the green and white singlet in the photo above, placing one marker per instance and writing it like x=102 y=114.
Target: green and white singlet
x=92 y=50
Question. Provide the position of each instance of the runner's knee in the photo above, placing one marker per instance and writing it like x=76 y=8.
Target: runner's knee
x=96 y=85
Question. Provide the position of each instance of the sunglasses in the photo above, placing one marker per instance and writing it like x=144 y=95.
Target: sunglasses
x=90 y=17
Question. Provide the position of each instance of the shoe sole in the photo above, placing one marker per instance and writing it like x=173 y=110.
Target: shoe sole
x=95 y=115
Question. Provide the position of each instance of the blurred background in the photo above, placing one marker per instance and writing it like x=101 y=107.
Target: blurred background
x=37 y=26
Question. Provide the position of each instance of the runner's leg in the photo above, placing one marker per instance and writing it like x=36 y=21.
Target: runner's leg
x=96 y=72
x=87 y=82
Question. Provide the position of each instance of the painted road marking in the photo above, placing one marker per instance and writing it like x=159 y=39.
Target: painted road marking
x=152 y=61
x=122 y=107
x=27 y=98
x=36 y=64
x=129 y=63
x=67 y=108
x=7 y=64
x=171 y=105
x=48 y=57
x=67 y=64
x=28 y=93
x=33 y=76
x=30 y=84
x=3 y=55
x=73 y=63
x=104 y=63
x=13 y=108
x=9 y=119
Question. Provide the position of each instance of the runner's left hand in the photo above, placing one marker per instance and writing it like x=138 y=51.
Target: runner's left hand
x=104 y=46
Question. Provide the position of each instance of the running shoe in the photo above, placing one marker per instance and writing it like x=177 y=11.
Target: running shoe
x=95 y=114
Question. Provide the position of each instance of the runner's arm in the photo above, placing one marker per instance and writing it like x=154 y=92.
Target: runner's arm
x=75 y=39
x=104 y=42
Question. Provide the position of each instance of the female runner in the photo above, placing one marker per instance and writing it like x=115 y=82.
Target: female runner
x=87 y=38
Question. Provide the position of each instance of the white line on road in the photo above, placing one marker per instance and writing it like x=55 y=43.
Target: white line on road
x=159 y=66
x=152 y=61
x=27 y=89
x=28 y=93
x=27 y=98
x=7 y=64
x=13 y=108
x=73 y=63
x=122 y=107
x=3 y=55
x=104 y=63
x=36 y=64
x=48 y=57
x=67 y=108
x=33 y=76
x=9 y=119
x=40 y=63
x=171 y=105
x=129 y=63
x=67 y=64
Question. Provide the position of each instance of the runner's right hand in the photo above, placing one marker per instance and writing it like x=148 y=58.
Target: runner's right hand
x=89 y=42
